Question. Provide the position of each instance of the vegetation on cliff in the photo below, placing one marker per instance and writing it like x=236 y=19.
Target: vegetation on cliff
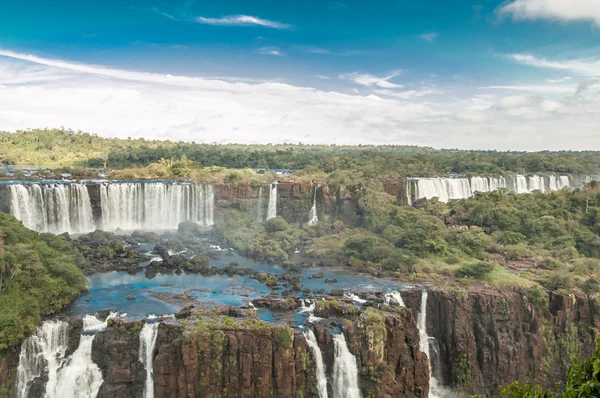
x=38 y=276
x=583 y=380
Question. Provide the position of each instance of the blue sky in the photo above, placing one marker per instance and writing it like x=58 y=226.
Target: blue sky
x=516 y=74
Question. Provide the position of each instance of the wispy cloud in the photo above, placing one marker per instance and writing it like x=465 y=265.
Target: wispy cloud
x=270 y=51
x=368 y=80
x=532 y=88
x=337 y=5
x=242 y=20
x=327 y=51
x=322 y=77
x=582 y=67
x=429 y=36
x=557 y=10
x=561 y=80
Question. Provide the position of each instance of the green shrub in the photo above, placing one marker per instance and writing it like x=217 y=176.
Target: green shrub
x=555 y=281
x=478 y=270
x=276 y=224
x=549 y=263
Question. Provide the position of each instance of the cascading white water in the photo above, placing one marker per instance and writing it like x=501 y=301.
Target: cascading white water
x=148 y=336
x=272 y=209
x=55 y=208
x=345 y=370
x=312 y=215
x=311 y=341
x=79 y=376
x=132 y=206
x=41 y=352
x=395 y=297
x=76 y=376
x=444 y=189
x=259 y=206
x=435 y=389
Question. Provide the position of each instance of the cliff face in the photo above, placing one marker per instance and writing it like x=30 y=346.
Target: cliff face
x=488 y=339
x=257 y=361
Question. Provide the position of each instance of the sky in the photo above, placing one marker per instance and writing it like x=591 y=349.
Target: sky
x=468 y=74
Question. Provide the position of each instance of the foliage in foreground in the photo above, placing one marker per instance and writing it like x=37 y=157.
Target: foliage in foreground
x=38 y=276
x=583 y=380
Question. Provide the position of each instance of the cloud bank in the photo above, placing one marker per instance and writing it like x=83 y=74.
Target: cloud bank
x=41 y=92
x=557 y=10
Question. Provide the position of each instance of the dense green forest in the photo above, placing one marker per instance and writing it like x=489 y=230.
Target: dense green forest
x=38 y=276
x=59 y=148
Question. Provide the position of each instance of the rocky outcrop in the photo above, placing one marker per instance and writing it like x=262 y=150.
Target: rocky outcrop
x=489 y=338
x=386 y=347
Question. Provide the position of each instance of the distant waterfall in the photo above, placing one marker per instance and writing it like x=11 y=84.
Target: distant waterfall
x=54 y=208
x=345 y=370
x=312 y=215
x=272 y=209
x=446 y=189
x=131 y=206
x=435 y=390
x=311 y=341
x=42 y=352
x=259 y=206
x=76 y=376
x=148 y=336
x=394 y=296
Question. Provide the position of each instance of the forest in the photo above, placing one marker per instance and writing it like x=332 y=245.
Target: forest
x=65 y=148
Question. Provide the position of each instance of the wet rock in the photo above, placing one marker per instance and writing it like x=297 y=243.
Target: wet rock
x=318 y=275
x=336 y=293
x=131 y=298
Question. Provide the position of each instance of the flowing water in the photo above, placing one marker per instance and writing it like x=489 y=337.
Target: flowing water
x=42 y=352
x=435 y=389
x=154 y=206
x=54 y=208
x=148 y=336
x=345 y=370
x=311 y=341
x=394 y=296
x=76 y=376
x=446 y=189
x=312 y=215
x=272 y=209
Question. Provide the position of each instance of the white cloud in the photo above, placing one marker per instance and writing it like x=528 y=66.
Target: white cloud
x=242 y=20
x=271 y=51
x=557 y=10
x=429 y=36
x=533 y=88
x=589 y=67
x=368 y=80
x=408 y=94
x=561 y=80
x=322 y=77
x=40 y=92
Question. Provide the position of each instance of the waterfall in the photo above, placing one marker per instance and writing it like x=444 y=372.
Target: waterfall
x=394 y=296
x=311 y=341
x=272 y=209
x=345 y=370
x=312 y=215
x=41 y=352
x=76 y=376
x=259 y=206
x=132 y=206
x=435 y=389
x=55 y=208
x=148 y=336
x=444 y=189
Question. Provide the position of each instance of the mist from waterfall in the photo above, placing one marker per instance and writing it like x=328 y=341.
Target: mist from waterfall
x=312 y=215
x=148 y=336
x=75 y=376
x=312 y=343
x=272 y=209
x=131 y=206
x=54 y=208
x=345 y=370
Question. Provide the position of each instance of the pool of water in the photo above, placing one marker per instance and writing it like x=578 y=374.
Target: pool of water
x=154 y=294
